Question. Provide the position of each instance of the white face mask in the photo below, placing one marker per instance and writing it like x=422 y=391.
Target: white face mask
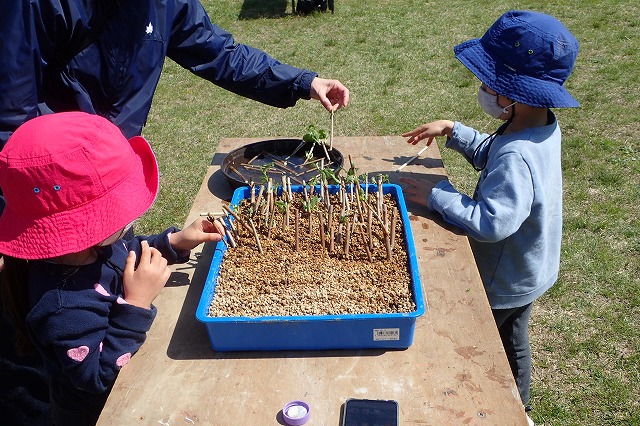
x=489 y=104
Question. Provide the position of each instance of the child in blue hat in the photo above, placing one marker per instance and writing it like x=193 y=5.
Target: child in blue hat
x=514 y=219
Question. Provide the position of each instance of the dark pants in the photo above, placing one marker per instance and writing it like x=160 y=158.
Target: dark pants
x=513 y=325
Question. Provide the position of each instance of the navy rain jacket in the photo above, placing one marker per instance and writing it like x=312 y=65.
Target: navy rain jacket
x=117 y=75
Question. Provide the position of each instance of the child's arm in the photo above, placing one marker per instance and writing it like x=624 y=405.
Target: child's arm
x=429 y=130
x=88 y=329
x=459 y=137
x=200 y=231
x=503 y=203
x=175 y=244
x=466 y=140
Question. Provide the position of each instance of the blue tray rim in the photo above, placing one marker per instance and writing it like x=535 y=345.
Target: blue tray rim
x=216 y=262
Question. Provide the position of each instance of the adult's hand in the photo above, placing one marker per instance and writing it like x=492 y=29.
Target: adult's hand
x=332 y=94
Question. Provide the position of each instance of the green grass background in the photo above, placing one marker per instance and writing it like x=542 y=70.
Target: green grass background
x=396 y=57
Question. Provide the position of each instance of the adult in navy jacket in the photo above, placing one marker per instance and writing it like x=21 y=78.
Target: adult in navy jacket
x=46 y=66
x=105 y=57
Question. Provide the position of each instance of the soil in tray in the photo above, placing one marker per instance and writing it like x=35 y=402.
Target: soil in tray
x=314 y=279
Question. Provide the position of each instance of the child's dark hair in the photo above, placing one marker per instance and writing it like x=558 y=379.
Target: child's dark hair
x=15 y=300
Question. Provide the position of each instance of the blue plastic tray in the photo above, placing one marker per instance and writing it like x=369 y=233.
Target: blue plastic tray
x=358 y=331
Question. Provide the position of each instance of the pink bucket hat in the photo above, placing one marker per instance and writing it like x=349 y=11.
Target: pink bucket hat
x=71 y=180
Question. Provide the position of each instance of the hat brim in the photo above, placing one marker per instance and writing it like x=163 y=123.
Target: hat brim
x=29 y=237
x=520 y=88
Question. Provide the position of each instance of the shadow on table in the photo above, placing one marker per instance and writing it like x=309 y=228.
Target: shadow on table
x=218 y=184
x=190 y=339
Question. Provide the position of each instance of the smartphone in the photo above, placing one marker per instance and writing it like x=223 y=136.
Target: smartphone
x=370 y=412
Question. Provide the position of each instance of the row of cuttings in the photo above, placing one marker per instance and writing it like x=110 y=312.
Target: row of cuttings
x=339 y=218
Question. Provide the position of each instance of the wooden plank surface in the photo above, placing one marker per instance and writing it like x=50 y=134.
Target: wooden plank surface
x=455 y=373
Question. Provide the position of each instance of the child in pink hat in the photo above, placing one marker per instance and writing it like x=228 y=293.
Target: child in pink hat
x=80 y=294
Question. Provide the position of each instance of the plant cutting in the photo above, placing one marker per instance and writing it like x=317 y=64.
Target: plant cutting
x=344 y=243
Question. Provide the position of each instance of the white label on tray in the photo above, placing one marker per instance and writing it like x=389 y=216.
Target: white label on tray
x=386 y=334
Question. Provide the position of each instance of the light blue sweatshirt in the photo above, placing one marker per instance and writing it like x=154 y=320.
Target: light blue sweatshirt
x=514 y=220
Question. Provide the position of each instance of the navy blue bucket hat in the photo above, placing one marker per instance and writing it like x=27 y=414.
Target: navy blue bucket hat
x=525 y=56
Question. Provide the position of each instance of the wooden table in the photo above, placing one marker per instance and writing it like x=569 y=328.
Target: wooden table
x=455 y=373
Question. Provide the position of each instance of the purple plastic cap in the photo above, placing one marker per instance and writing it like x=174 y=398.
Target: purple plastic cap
x=296 y=413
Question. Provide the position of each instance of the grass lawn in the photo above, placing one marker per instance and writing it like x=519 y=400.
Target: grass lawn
x=396 y=57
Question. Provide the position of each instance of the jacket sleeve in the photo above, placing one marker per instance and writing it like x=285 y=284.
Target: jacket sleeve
x=465 y=140
x=91 y=333
x=503 y=201
x=212 y=53
x=161 y=243
x=88 y=334
x=18 y=94
x=30 y=31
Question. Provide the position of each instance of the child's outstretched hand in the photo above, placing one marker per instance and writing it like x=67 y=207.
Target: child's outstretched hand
x=142 y=285
x=200 y=231
x=429 y=130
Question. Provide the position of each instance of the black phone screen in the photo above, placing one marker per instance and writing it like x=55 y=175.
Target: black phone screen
x=370 y=412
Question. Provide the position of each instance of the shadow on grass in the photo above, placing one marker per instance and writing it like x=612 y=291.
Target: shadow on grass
x=255 y=9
